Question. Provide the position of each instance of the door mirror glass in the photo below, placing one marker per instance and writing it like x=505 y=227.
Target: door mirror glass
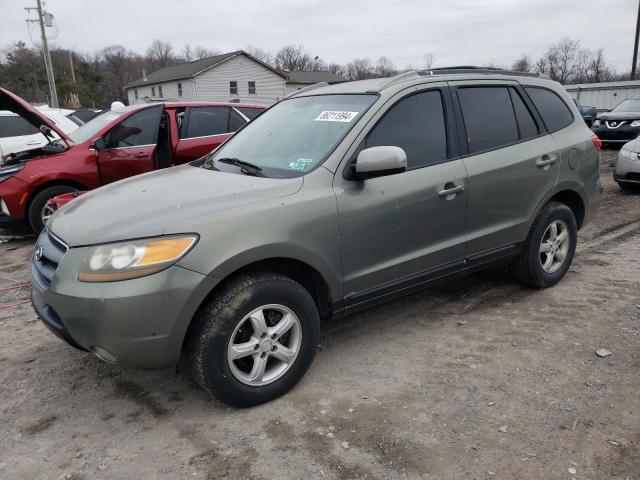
x=379 y=161
x=98 y=144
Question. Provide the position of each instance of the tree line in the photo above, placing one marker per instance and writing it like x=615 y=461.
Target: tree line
x=95 y=80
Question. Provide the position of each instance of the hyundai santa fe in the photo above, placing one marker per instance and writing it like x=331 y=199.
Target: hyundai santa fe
x=336 y=198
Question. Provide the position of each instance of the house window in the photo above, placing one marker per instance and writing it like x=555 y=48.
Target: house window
x=179 y=89
x=153 y=91
x=252 y=88
x=160 y=91
x=135 y=93
x=233 y=87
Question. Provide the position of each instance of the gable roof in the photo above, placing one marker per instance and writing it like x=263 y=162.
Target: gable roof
x=312 y=77
x=191 y=69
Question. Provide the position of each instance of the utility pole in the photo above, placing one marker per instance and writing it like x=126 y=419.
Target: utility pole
x=635 y=46
x=45 y=51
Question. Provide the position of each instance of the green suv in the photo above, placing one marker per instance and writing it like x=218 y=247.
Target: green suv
x=335 y=199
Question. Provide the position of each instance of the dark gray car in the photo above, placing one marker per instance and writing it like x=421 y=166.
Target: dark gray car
x=333 y=200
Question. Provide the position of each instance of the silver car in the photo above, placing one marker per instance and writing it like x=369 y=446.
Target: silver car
x=333 y=200
x=627 y=166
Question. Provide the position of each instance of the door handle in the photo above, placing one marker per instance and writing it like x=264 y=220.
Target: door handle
x=142 y=155
x=450 y=189
x=546 y=160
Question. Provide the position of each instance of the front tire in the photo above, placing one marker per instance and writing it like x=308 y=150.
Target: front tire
x=254 y=340
x=37 y=213
x=549 y=248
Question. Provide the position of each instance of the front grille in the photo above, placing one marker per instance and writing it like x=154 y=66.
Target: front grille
x=47 y=254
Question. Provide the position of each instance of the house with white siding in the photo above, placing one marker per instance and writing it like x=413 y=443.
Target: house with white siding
x=236 y=76
x=232 y=76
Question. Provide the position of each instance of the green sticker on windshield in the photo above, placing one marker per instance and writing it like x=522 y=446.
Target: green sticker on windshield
x=301 y=165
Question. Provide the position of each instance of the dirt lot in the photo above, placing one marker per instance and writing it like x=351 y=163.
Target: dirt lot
x=477 y=379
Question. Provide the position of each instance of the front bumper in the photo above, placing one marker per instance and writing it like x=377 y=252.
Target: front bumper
x=139 y=323
x=621 y=135
x=12 y=192
x=627 y=170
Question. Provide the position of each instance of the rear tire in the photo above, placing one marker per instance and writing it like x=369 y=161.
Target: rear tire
x=549 y=248
x=242 y=363
x=39 y=202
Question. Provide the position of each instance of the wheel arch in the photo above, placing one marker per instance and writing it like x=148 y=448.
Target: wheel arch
x=569 y=195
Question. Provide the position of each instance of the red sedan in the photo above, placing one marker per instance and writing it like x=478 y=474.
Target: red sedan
x=114 y=145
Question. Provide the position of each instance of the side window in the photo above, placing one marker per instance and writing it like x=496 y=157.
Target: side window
x=527 y=126
x=251 y=87
x=139 y=129
x=236 y=122
x=250 y=113
x=554 y=112
x=160 y=91
x=416 y=124
x=205 y=121
x=233 y=87
x=153 y=91
x=179 y=89
x=15 y=126
x=488 y=117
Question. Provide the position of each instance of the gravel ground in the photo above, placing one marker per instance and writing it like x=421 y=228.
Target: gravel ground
x=476 y=379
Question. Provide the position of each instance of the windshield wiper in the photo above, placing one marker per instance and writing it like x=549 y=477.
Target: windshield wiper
x=245 y=167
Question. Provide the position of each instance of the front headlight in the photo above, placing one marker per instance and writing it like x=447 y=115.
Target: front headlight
x=10 y=171
x=628 y=155
x=635 y=123
x=134 y=258
x=596 y=123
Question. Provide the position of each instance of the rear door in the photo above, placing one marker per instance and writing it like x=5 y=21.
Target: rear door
x=511 y=160
x=204 y=129
x=130 y=146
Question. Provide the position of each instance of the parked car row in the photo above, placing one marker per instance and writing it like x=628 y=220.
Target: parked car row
x=335 y=199
x=114 y=145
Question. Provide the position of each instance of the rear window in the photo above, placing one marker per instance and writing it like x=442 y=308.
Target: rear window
x=488 y=117
x=205 y=121
x=15 y=126
x=554 y=112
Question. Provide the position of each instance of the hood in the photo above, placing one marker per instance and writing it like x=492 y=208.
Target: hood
x=161 y=202
x=619 y=116
x=15 y=104
x=633 y=145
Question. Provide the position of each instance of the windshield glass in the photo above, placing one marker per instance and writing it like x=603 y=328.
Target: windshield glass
x=628 y=106
x=93 y=126
x=295 y=136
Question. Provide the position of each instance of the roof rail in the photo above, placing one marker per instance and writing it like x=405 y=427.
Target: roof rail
x=473 y=69
x=398 y=78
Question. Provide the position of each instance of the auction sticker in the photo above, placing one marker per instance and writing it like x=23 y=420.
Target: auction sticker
x=336 y=116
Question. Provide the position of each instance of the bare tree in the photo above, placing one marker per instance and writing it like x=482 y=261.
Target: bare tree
x=597 y=69
x=295 y=57
x=187 y=53
x=200 y=52
x=384 y=68
x=428 y=61
x=160 y=54
x=260 y=54
x=360 y=69
x=336 y=69
x=523 y=64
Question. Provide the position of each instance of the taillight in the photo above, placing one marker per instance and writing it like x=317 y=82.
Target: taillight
x=596 y=142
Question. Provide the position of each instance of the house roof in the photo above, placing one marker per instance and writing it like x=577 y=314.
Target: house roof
x=312 y=77
x=191 y=69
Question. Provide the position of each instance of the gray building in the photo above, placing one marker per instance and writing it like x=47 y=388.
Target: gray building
x=603 y=96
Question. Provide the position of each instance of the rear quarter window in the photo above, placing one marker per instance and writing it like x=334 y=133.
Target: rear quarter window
x=554 y=112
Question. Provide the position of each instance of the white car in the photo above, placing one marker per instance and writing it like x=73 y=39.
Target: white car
x=16 y=134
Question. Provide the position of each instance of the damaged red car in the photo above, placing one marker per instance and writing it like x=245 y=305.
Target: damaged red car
x=114 y=145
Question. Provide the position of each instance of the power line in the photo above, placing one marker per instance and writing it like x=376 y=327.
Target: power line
x=635 y=46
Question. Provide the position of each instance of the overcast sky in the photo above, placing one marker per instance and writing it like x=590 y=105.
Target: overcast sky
x=457 y=32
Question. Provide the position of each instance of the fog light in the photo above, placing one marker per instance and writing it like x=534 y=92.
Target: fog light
x=103 y=355
x=3 y=207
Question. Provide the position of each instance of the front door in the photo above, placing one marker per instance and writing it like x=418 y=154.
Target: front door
x=401 y=229
x=130 y=146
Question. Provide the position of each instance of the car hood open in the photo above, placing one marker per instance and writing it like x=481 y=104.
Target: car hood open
x=15 y=104
x=159 y=203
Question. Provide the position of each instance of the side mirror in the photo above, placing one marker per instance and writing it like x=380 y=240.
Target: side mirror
x=98 y=144
x=379 y=161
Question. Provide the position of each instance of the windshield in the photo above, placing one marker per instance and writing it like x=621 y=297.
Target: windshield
x=93 y=126
x=294 y=136
x=628 y=106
